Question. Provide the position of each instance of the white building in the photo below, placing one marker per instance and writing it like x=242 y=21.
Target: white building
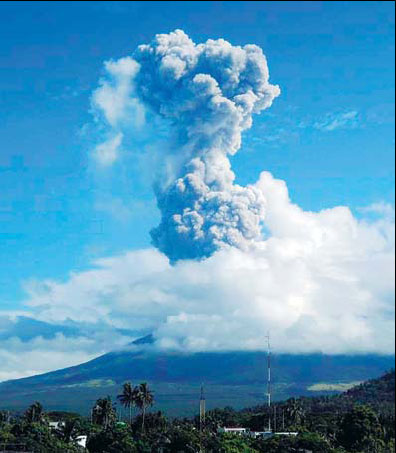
x=261 y=434
x=82 y=441
x=291 y=434
x=239 y=431
x=268 y=434
x=56 y=425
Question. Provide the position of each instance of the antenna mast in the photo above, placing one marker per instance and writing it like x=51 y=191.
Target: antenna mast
x=269 y=382
x=202 y=409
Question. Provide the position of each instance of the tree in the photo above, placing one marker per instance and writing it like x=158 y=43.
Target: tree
x=128 y=398
x=360 y=429
x=113 y=440
x=155 y=422
x=69 y=430
x=295 y=411
x=4 y=417
x=38 y=437
x=183 y=439
x=34 y=413
x=313 y=442
x=235 y=444
x=104 y=413
x=144 y=398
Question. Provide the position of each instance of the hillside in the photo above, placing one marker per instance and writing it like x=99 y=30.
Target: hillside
x=378 y=393
x=231 y=379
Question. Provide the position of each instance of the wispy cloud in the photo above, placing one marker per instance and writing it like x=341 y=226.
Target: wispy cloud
x=106 y=153
x=279 y=129
x=379 y=210
x=125 y=211
x=333 y=121
x=113 y=105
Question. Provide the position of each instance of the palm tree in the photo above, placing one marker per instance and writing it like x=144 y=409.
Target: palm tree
x=4 y=417
x=68 y=431
x=103 y=412
x=144 y=398
x=295 y=411
x=128 y=398
x=35 y=413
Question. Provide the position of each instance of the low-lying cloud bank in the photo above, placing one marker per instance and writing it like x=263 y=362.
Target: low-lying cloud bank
x=29 y=346
x=320 y=282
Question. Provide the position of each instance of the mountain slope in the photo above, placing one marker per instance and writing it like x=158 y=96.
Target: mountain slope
x=231 y=378
x=374 y=392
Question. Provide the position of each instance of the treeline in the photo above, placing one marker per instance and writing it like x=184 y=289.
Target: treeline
x=354 y=422
x=323 y=414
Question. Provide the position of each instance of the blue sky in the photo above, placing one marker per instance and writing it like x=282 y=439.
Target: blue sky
x=329 y=135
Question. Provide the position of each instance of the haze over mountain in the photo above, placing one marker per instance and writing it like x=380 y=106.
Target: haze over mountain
x=235 y=379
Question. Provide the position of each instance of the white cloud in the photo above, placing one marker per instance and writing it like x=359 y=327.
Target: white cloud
x=29 y=347
x=21 y=359
x=113 y=97
x=321 y=282
x=106 y=153
x=333 y=121
x=380 y=209
x=114 y=106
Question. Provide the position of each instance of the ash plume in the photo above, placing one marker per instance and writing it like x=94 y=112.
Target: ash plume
x=208 y=93
x=323 y=281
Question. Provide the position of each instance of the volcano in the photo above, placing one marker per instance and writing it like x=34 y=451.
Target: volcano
x=236 y=379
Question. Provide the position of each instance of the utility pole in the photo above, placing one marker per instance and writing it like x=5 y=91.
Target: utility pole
x=202 y=409
x=269 y=381
x=202 y=417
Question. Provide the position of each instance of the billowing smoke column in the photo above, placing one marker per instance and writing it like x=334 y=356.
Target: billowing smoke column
x=208 y=92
